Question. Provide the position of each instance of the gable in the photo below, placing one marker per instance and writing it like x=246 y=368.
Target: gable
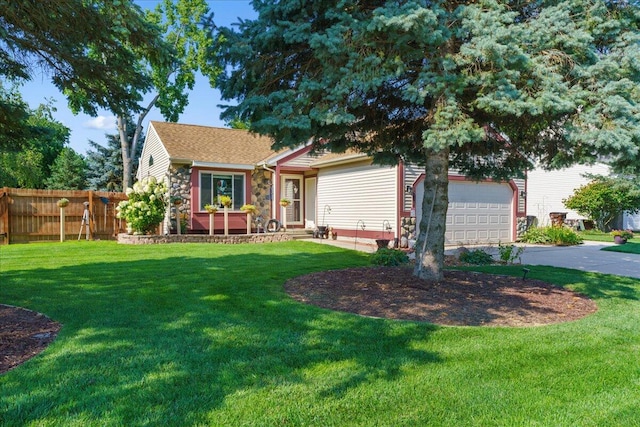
x=154 y=160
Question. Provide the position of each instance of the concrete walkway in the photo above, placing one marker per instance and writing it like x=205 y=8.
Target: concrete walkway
x=585 y=257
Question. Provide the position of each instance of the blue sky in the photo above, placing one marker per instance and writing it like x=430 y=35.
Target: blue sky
x=203 y=100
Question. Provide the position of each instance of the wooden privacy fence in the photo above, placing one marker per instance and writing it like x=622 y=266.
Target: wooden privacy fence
x=33 y=215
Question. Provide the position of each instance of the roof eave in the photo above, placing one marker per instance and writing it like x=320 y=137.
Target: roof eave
x=340 y=160
x=240 y=166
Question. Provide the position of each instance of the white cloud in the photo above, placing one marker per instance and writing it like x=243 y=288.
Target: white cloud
x=101 y=123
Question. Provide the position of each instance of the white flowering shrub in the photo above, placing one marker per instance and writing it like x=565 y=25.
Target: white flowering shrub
x=146 y=206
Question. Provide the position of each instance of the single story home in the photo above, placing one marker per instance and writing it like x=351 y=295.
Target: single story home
x=343 y=191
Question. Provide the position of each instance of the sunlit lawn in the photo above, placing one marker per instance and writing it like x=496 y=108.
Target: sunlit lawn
x=631 y=247
x=191 y=334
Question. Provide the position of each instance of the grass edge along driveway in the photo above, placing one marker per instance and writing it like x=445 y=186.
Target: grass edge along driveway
x=205 y=335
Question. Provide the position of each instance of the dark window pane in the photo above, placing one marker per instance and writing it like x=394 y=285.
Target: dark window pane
x=206 y=194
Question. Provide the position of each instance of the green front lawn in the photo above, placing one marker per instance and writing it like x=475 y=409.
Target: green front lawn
x=600 y=236
x=191 y=334
x=631 y=247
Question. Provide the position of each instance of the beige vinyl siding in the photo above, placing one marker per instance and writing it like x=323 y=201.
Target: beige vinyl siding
x=302 y=161
x=153 y=148
x=522 y=203
x=356 y=192
x=411 y=173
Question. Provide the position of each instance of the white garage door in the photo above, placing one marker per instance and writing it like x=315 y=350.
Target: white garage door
x=478 y=212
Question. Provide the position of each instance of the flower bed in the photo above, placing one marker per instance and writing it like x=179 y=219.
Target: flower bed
x=130 y=239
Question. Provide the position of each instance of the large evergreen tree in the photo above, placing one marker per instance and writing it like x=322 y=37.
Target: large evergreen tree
x=486 y=87
x=104 y=163
x=68 y=172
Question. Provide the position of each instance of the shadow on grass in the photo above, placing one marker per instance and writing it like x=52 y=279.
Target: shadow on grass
x=168 y=341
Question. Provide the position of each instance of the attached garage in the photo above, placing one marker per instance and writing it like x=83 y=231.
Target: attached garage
x=478 y=212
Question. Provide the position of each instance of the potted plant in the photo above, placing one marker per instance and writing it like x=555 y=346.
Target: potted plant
x=225 y=201
x=249 y=209
x=285 y=202
x=621 y=236
x=212 y=209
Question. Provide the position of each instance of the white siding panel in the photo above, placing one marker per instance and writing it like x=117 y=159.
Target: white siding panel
x=546 y=189
x=302 y=161
x=153 y=148
x=357 y=192
x=522 y=203
x=411 y=173
x=632 y=222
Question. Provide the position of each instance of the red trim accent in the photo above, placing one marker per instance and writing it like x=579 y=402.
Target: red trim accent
x=295 y=169
x=400 y=199
x=366 y=234
x=295 y=154
x=276 y=193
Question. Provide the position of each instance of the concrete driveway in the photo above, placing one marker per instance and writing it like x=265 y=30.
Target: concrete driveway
x=585 y=257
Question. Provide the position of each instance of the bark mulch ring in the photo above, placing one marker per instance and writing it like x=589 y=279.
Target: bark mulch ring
x=23 y=334
x=463 y=298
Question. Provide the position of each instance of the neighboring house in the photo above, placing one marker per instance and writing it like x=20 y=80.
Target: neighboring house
x=343 y=191
x=547 y=189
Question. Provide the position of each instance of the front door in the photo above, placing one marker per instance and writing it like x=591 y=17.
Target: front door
x=292 y=190
x=310 y=203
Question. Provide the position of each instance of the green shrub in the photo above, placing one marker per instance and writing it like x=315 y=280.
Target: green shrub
x=389 y=257
x=551 y=236
x=509 y=253
x=476 y=256
x=535 y=235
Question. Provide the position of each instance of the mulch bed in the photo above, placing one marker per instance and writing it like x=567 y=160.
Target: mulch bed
x=23 y=334
x=463 y=298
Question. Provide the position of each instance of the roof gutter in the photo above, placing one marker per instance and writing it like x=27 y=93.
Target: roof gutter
x=239 y=166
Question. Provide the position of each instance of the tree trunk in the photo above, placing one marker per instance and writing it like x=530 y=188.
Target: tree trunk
x=129 y=148
x=430 y=243
x=126 y=153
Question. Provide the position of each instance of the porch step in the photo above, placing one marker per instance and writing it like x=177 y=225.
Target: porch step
x=299 y=233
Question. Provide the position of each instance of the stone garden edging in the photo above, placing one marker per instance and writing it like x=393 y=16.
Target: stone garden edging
x=130 y=239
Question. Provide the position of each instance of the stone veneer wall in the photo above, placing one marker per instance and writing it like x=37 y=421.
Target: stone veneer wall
x=130 y=239
x=180 y=186
x=408 y=231
x=261 y=193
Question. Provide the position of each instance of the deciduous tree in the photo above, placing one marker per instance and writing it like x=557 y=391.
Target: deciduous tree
x=89 y=49
x=486 y=87
x=41 y=140
x=604 y=199
x=186 y=26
